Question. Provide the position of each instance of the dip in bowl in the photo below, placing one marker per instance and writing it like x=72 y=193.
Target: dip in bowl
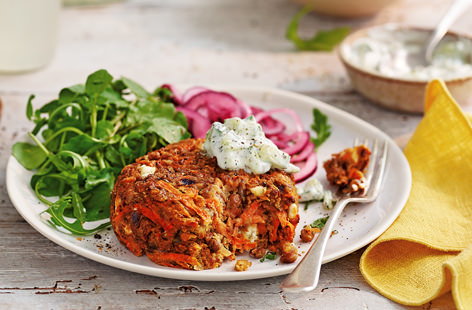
x=385 y=64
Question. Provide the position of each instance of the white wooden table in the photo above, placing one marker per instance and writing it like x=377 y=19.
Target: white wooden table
x=194 y=42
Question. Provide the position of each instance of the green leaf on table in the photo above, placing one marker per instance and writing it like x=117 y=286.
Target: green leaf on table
x=321 y=126
x=97 y=82
x=324 y=40
x=28 y=155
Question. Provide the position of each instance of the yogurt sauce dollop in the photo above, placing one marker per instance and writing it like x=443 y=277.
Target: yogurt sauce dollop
x=398 y=53
x=242 y=144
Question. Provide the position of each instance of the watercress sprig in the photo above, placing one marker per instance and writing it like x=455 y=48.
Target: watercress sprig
x=85 y=137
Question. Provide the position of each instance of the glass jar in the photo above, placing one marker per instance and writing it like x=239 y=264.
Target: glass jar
x=28 y=33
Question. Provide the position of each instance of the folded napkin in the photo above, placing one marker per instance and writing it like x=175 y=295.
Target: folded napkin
x=428 y=249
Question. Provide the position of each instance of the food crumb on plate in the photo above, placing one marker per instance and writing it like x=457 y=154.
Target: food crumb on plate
x=308 y=233
x=242 y=265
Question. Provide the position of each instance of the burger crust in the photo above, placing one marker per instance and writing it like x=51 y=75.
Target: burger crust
x=186 y=212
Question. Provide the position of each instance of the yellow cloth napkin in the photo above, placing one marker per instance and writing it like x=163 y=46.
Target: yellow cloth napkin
x=428 y=249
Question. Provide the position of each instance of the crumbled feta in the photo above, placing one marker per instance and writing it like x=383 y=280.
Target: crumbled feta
x=328 y=201
x=313 y=191
x=146 y=170
x=251 y=232
x=258 y=190
x=292 y=211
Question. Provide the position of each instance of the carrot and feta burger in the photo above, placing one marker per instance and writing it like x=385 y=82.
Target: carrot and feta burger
x=195 y=203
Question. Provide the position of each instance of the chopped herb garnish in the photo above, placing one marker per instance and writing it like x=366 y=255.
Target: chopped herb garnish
x=321 y=127
x=319 y=223
x=269 y=255
x=321 y=41
x=306 y=205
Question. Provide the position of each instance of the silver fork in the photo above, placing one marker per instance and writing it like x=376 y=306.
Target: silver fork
x=305 y=276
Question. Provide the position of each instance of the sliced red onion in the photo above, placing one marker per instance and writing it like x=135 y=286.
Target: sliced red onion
x=272 y=129
x=198 y=124
x=309 y=148
x=176 y=96
x=307 y=169
x=300 y=140
x=220 y=112
x=255 y=110
x=245 y=109
x=280 y=144
x=219 y=105
x=270 y=125
x=209 y=97
x=284 y=137
x=281 y=140
x=192 y=92
x=297 y=122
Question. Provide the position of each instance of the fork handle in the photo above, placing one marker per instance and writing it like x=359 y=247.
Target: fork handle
x=304 y=278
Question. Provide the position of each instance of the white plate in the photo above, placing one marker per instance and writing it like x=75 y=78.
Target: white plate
x=359 y=225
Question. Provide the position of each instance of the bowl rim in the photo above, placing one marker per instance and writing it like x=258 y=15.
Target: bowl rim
x=370 y=73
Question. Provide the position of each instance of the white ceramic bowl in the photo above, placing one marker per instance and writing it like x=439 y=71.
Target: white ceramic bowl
x=398 y=93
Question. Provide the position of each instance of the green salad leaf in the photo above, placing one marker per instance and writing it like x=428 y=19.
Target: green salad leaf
x=135 y=88
x=29 y=107
x=321 y=126
x=85 y=137
x=97 y=82
x=28 y=155
x=324 y=40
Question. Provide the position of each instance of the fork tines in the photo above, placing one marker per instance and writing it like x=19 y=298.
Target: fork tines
x=376 y=168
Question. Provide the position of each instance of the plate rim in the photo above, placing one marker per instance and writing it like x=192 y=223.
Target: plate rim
x=160 y=271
